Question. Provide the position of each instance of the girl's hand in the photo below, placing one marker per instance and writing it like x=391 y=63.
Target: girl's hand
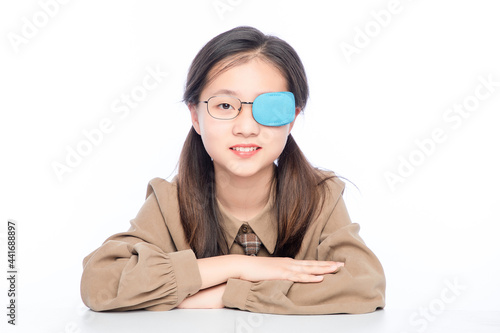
x=271 y=268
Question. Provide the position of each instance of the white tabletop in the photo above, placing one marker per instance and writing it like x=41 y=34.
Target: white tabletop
x=49 y=302
x=227 y=320
x=78 y=319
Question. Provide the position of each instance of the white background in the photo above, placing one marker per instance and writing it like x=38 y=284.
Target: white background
x=366 y=112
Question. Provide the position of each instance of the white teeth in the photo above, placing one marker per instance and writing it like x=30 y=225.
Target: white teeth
x=244 y=149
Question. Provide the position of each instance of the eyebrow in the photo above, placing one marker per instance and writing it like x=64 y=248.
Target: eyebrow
x=225 y=92
x=232 y=92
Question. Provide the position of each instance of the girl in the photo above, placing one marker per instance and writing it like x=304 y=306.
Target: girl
x=247 y=223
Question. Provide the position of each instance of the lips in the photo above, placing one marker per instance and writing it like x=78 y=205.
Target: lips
x=245 y=150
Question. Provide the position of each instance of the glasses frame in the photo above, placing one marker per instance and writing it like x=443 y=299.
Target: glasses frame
x=239 y=109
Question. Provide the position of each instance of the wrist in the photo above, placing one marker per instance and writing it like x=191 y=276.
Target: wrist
x=219 y=269
x=236 y=264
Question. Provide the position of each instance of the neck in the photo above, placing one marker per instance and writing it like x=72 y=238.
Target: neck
x=243 y=197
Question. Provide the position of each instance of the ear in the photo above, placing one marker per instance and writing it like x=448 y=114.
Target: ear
x=194 y=118
x=297 y=111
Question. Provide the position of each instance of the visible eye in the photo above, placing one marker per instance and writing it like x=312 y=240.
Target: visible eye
x=225 y=106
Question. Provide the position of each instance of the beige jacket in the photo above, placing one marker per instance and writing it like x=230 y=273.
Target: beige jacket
x=152 y=267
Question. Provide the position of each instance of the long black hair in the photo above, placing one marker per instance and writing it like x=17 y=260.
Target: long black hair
x=298 y=186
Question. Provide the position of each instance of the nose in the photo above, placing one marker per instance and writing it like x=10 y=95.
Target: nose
x=244 y=124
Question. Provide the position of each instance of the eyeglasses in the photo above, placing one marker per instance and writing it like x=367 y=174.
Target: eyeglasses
x=269 y=109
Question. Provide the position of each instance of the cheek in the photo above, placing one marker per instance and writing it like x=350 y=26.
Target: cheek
x=212 y=134
x=275 y=137
x=207 y=127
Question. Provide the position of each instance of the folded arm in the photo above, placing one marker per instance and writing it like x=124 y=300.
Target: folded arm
x=357 y=287
x=139 y=268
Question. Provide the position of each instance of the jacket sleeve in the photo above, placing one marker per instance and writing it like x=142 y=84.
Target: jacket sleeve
x=358 y=287
x=140 y=268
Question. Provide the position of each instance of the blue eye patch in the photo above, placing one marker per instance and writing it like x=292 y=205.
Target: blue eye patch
x=274 y=109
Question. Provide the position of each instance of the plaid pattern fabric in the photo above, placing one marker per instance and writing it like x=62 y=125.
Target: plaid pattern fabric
x=249 y=240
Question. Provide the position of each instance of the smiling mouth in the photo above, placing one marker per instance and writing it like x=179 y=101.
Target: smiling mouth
x=245 y=149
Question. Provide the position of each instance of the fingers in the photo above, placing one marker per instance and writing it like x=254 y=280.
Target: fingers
x=306 y=278
x=262 y=268
x=311 y=270
x=319 y=263
x=318 y=266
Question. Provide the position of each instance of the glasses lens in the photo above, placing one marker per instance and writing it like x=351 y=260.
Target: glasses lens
x=224 y=107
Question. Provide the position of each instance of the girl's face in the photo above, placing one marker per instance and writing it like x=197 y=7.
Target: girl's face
x=228 y=141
